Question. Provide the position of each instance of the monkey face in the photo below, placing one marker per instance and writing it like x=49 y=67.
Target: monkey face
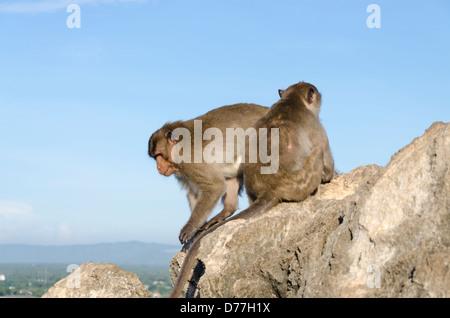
x=159 y=148
x=161 y=154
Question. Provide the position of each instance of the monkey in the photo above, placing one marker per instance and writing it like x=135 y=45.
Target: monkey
x=205 y=182
x=305 y=161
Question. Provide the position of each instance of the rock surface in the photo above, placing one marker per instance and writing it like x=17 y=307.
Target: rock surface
x=374 y=232
x=98 y=281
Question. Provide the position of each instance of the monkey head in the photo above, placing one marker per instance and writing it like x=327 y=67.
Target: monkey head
x=307 y=93
x=160 y=147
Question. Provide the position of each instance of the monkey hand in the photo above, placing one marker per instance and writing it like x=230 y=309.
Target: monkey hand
x=186 y=233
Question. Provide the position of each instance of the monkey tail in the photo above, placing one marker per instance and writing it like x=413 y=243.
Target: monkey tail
x=261 y=204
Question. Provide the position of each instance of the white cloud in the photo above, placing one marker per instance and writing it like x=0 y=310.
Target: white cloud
x=64 y=233
x=17 y=219
x=12 y=209
x=47 y=6
x=20 y=224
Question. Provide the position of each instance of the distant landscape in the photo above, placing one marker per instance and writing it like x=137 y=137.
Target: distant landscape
x=29 y=271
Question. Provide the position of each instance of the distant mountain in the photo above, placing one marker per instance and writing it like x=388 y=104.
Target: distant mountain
x=124 y=253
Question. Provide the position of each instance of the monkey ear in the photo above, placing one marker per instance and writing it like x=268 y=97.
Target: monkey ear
x=169 y=138
x=310 y=97
x=281 y=92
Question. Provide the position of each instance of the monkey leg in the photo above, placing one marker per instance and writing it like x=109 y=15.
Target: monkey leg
x=328 y=166
x=220 y=217
x=298 y=186
x=230 y=203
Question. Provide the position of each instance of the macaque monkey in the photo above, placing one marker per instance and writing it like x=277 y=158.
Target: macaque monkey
x=205 y=182
x=305 y=161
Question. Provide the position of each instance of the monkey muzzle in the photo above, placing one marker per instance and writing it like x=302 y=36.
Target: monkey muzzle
x=165 y=167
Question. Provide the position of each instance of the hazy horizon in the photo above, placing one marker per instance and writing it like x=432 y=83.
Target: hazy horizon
x=96 y=243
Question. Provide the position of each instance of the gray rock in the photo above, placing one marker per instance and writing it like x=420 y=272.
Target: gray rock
x=374 y=232
x=98 y=281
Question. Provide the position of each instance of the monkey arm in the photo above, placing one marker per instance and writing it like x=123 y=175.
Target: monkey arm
x=205 y=204
x=210 y=188
x=192 y=199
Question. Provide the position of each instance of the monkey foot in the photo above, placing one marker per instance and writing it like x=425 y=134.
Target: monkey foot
x=194 y=237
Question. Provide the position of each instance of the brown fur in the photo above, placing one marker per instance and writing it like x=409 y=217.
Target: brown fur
x=305 y=161
x=205 y=183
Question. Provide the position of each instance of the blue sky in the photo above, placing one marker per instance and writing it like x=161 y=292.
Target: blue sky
x=77 y=106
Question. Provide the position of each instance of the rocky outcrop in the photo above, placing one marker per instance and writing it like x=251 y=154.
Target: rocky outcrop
x=374 y=232
x=98 y=281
